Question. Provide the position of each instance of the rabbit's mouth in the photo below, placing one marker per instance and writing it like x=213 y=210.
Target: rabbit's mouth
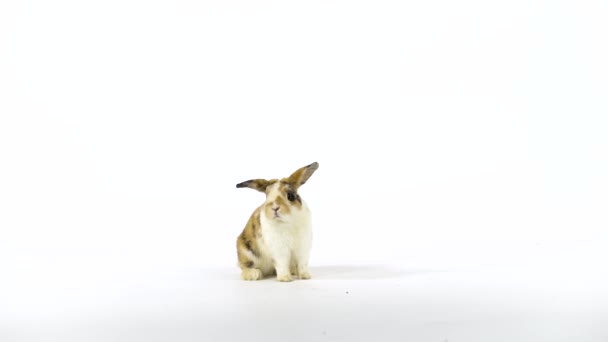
x=278 y=217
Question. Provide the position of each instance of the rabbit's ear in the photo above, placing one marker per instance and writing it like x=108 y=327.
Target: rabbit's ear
x=301 y=175
x=256 y=184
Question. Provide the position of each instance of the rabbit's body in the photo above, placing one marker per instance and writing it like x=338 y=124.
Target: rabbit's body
x=278 y=236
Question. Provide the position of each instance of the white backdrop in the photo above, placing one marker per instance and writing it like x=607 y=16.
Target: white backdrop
x=448 y=133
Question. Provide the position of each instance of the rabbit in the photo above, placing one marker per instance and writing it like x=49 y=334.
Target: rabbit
x=277 y=239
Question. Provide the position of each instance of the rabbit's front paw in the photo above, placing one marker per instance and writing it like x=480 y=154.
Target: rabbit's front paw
x=304 y=275
x=284 y=277
x=251 y=274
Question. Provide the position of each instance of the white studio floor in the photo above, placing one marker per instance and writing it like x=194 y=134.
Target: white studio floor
x=454 y=138
x=545 y=296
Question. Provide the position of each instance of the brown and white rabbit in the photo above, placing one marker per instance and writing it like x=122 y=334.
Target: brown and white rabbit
x=278 y=236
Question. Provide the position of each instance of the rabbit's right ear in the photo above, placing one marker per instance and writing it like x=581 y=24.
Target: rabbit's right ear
x=256 y=184
x=301 y=175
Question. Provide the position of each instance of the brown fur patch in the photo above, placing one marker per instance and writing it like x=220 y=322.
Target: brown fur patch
x=281 y=202
x=247 y=241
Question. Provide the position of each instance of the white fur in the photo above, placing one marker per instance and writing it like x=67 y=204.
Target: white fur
x=286 y=242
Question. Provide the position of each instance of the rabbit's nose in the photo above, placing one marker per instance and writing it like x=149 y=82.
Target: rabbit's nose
x=275 y=209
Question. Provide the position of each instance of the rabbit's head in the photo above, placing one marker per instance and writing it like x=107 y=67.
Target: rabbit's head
x=282 y=198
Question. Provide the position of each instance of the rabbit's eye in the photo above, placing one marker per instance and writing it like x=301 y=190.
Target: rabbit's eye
x=291 y=196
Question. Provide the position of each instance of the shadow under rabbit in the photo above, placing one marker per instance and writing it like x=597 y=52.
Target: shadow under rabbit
x=366 y=272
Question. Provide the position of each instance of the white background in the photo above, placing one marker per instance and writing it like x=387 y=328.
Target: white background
x=463 y=154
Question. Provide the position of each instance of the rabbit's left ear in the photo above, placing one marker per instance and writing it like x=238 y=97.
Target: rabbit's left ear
x=301 y=175
x=256 y=184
